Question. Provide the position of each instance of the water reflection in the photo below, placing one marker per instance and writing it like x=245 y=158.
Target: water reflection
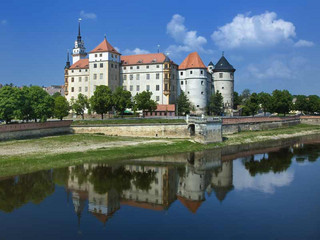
x=155 y=183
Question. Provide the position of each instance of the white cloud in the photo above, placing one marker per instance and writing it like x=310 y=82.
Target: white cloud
x=266 y=183
x=87 y=15
x=135 y=51
x=3 y=22
x=304 y=43
x=187 y=40
x=257 y=30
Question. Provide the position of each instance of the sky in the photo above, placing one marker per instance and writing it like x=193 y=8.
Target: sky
x=273 y=44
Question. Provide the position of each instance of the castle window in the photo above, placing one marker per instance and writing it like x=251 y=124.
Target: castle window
x=124 y=68
x=188 y=92
x=86 y=70
x=147 y=66
x=131 y=67
x=201 y=82
x=198 y=105
x=86 y=89
x=101 y=65
x=79 y=89
x=157 y=66
x=131 y=88
x=101 y=75
x=222 y=87
x=95 y=65
x=94 y=76
x=116 y=66
x=80 y=79
x=125 y=88
x=138 y=76
x=157 y=76
x=79 y=70
x=72 y=79
x=96 y=55
x=165 y=66
x=148 y=76
x=157 y=98
x=131 y=76
x=148 y=87
x=100 y=54
x=138 y=88
x=124 y=77
x=112 y=55
x=201 y=93
x=72 y=89
x=231 y=75
x=72 y=71
x=111 y=65
x=201 y=72
x=181 y=82
x=181 y=73
x=190 y=72
x=86 y=79
x=186 y=82
x=220 y=75
x=157 y=87
x=166 y=87
x=166 y=76
x=138 y=67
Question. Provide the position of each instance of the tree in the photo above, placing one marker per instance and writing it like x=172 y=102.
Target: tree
x=251 y=106
x=183 y=104
x=245 y=94
x=80 y=105
x=216 y=104
x=25 y=112
x=56 y=94
x=264 y=99
x=301 y=103
x=237 y=100
x=144 y=102
x=121 y=100
x=281 y=101
x=313 y=104
x=61 y=107
x=9 y=103
x=42 y=104
x=101 y=101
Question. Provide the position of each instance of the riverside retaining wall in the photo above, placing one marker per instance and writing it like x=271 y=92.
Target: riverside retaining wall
x=312 y=120
x=238 y=124
x=29 y=130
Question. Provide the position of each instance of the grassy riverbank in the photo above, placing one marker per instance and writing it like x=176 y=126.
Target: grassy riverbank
x=23 y=156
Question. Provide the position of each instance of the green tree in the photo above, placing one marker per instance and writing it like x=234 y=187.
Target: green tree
x=9 y=103
x=121 y=100
x=42 y=104
x=237 y=100
x=144 y=102
x=25 y=112
x=313 y=104
x=216 y=104
x=80 y=105
x=265 y=100
x=56 y=94
x=101 y=101
x=61 y=107
x=251 y=106
x=281 y=101
x=301 y=103
x=183 y=104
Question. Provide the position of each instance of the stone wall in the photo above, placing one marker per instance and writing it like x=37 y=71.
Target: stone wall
x=179 y=130
x=235 y=125
x=29 y=130
x=313 y=120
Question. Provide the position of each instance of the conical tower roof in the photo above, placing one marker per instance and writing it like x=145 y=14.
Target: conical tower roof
x=104 y=46
x=193 y=60
x=223 y=66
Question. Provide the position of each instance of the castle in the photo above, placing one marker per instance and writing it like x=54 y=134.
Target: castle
x=154 y=72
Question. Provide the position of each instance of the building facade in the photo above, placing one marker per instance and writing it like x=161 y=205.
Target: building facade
x=153 y=72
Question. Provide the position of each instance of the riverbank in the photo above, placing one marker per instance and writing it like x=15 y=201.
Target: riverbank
x=24 y=156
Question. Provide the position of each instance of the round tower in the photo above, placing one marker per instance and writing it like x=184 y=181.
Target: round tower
x=223 y=79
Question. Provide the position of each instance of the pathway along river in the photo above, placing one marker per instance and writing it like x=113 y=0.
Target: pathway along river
x=246 y=192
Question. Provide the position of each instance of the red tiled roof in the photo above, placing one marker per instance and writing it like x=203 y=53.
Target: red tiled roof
x=193 y=60
x=166 y=107
x=104 y=46
x=191 y=205
x=143 y=58
x=144 y=205
x=82 y=63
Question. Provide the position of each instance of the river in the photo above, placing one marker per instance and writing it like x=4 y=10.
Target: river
x=264 y=191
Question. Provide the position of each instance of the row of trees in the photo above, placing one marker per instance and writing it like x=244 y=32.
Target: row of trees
x=34 y=103
x=280 y=101
x=104 y=100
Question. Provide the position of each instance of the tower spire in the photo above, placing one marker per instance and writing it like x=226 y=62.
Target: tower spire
x=222 y=53
x=79 y=33
x=68 y=61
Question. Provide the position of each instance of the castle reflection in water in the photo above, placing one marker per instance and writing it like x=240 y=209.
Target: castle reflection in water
x=150 y=183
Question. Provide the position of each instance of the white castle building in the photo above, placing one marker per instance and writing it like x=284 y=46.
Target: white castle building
x=153 y=72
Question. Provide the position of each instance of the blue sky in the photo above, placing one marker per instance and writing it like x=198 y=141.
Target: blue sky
x=273 y=44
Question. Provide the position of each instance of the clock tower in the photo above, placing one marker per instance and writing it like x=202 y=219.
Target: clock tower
x=79 y=51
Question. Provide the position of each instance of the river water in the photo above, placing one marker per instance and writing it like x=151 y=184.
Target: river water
x=255 y=191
